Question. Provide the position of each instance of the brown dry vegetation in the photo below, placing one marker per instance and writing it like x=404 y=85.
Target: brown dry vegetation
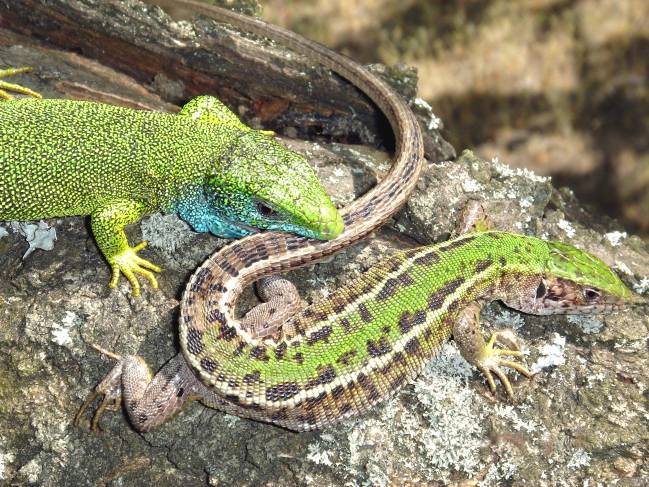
x=558 y=86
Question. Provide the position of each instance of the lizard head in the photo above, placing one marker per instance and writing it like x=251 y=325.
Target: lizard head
x=575 y=281
x=263 y=185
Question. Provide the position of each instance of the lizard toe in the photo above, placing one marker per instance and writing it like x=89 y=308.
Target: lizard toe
x=130 y=264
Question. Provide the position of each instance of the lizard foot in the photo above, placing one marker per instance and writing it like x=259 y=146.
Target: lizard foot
x=491 y=361
x=129 y=263
x=4 y=86
x=110 y=388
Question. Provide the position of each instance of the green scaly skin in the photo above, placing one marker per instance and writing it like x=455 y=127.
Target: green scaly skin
x=367 y=340
x=67 y=158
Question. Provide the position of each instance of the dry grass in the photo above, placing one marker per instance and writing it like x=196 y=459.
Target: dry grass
x=560 y=86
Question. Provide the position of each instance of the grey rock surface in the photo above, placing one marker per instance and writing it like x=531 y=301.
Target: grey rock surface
x=583 y=418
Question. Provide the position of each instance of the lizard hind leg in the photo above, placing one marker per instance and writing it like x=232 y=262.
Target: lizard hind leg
x=281 y=301
x=5 y=87
x=149 y=401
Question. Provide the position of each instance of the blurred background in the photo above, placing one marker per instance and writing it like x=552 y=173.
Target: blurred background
x=558 y=86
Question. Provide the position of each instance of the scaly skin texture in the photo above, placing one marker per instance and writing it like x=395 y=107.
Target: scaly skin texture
x=65 y=158
x=365 y=341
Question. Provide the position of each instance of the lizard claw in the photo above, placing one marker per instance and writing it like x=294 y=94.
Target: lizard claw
x=129 y=263
x=492 y=360
x=4 y=86
x=110 y=388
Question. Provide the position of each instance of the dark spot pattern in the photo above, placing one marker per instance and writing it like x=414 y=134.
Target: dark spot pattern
x=392 y=284
x=413 y=346
x=280 y=351
x=368 y=387
x=208 y=365
x=346 y=324
x=228 y=268
x=408 y=320
x=199 y=278
x=456 y=244
x=283 y=391
x=315 y=402
x=437 y=298
x=259 y=353
x=379 y=347
x=227 y=332
x=326 y=374
x=483 y=264
x=217 y=287
x=346 y=357
x=194 y=341
x=430 y=257
x=215 y=315
x=320 y=335
x=365 y=314
x=337 y=392
x=252 y=377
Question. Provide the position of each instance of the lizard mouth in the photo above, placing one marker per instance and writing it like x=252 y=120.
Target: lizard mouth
x=247 y=228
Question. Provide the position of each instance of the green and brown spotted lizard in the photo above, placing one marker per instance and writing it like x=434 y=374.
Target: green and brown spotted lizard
x=362 y=343
x=65 y=158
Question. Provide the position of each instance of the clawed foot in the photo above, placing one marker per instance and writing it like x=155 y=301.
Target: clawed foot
x=4 y=86
x=129 y=263
x=492 y=360
x=110 y=388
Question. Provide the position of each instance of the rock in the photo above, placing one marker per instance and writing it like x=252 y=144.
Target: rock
x=582 y=418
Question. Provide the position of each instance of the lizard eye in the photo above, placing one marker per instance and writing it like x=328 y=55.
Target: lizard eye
x=591 y=294
x=540 y=291
x=266 y=211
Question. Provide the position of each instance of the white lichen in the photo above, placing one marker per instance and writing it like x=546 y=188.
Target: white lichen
x=61 y=331
x=319 y=455
x=506 y=319
x=642 y=286
x=567 y=227
x=38 y=235
x=588 y=324
x=506 y=171
x=454 y=436
x=5 y=458
x=470 y=185
x=551 y=354
x=526 y=202
x=580 y=458
x=615 y=238
x=622 y=267
x=434 y=122
x=510 y=416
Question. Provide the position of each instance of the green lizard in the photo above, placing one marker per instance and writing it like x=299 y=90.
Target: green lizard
x=363 y=342
x=65 y=158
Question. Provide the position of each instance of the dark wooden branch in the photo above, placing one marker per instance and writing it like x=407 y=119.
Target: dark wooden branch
x=267 y=84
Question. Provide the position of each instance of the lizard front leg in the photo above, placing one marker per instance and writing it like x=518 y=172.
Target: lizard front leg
x=108 y=222
x=488 y=359
x=149 y=401
x=4 y=86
